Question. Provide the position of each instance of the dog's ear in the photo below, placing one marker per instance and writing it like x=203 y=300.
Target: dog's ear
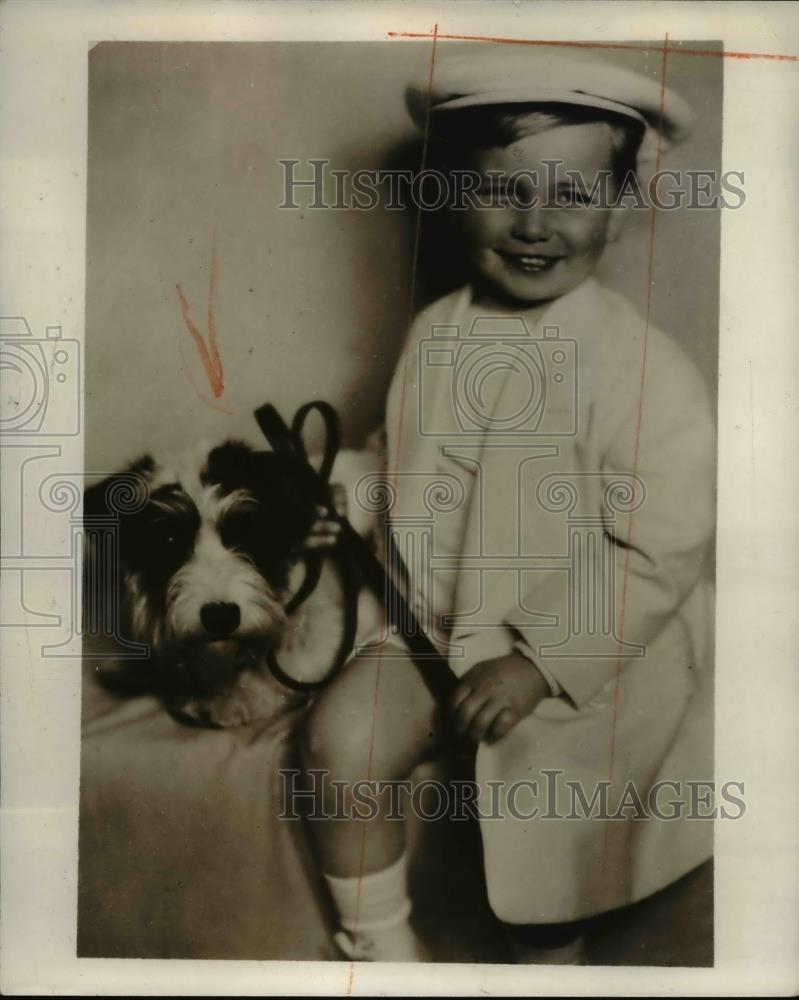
x=120 y=497
x=115 y=496
x=99 y=499
x=230 y=465
x=287 y=490
x=267 y=474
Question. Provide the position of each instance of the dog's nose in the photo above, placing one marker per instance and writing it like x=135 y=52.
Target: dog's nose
x=220 y=618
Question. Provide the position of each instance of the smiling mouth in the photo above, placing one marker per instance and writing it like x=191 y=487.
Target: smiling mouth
x=528 y=262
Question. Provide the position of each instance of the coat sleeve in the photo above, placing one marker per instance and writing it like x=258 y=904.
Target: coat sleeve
x=655 y=550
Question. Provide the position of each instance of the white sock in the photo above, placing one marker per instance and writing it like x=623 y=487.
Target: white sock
x=372 y=902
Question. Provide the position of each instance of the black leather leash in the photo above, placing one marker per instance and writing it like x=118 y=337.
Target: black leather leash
x=352 y=553
x=287 y=440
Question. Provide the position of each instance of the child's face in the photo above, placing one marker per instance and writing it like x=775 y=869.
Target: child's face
x=537 y=254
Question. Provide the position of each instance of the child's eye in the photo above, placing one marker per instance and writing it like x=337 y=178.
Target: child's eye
x=493 y=194
x=572 y=198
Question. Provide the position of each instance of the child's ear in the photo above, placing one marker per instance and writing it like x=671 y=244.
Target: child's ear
x=618 y=218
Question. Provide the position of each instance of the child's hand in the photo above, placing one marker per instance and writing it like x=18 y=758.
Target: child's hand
x=496 y=694
x=325 y=532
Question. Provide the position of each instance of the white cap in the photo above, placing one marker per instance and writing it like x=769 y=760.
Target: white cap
x=516 y=73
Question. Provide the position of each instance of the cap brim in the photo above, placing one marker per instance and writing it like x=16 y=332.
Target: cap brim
x=513 y=75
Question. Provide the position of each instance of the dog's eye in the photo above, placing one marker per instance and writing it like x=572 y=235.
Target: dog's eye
x=170 y=535
x=240 y=526
x=157 y=540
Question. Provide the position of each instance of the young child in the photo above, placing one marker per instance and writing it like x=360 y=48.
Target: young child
x=609 y=462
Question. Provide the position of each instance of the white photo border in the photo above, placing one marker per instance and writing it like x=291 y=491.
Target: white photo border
x=43 y=136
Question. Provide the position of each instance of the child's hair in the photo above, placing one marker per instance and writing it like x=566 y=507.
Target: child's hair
x=459 y=132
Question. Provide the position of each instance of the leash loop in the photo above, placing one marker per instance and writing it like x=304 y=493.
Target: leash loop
x=356 y=560
x=290 y=440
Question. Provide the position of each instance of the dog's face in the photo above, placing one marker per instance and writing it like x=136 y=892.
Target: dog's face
x=205 y=562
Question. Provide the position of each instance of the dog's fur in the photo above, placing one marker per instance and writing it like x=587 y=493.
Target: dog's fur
x=207 y=563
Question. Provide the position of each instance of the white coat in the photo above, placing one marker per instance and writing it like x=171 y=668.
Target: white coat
x=554 y=493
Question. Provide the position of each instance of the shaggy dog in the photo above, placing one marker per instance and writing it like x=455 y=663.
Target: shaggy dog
x=209 y=555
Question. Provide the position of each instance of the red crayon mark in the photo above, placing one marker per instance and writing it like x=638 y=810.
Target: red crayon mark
x=595 y=45
x=209 y=353
x=200 y=393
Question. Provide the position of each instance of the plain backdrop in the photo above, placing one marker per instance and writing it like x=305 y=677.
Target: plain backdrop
x=184 y=144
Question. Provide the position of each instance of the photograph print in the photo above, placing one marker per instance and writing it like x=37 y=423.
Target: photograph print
x=400 y=373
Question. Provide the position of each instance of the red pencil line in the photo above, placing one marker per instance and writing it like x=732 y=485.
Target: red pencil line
x=415 y=258
x=392 y=477
x=636 y=451
x=596 y=45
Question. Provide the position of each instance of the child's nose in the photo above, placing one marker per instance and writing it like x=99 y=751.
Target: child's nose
x=531 y=224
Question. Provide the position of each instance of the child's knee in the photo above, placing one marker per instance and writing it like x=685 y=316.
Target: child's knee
x=369 y=726
x=336 y=740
